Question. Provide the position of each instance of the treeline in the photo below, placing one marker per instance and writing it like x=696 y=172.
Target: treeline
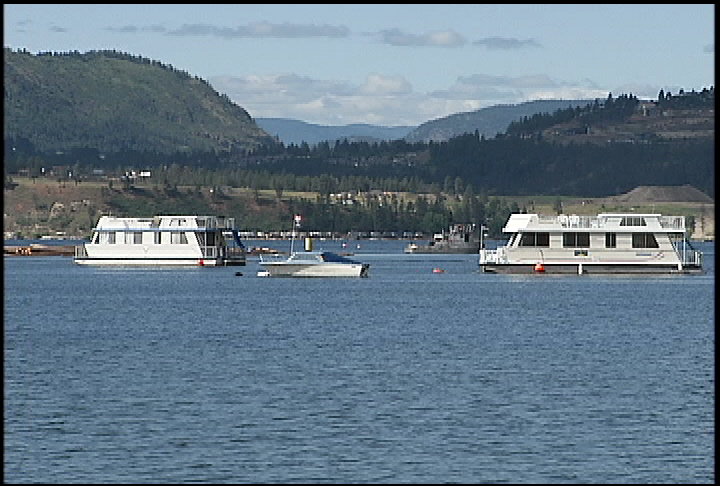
x=516 y=166
x=463 y=174
x=500 y=166
x=109 y=54
x=373 y=211
x=611 y=110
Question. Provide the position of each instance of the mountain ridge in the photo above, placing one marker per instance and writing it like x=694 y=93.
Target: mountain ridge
x=294 y=131
x=112 y=101
x=488 y=121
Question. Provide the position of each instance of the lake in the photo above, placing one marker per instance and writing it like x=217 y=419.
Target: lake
x=199 y=375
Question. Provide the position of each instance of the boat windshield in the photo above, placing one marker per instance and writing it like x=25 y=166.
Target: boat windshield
x=329 y=256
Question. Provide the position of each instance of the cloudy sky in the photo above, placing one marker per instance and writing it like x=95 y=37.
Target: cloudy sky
x=393 y=64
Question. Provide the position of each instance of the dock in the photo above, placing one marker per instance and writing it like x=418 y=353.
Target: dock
x=37 y=249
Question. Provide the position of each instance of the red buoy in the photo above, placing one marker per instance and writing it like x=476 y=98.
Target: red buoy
x=539 y=267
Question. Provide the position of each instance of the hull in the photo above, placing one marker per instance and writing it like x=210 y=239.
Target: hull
x=592 y=269
x=157 y=262
x=315 y=270
x=442 y=249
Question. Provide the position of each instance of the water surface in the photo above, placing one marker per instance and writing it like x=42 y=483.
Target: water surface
x=408 y=376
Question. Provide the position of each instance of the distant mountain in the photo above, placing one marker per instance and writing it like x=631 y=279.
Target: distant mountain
x=487 y=121
x=110 y=101
x=296 y=132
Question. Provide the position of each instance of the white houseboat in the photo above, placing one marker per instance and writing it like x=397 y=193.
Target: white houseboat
x=163 y=240
x=609 y=243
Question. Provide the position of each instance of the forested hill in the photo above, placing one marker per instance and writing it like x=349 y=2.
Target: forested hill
x=487 y=121
x=112 y=101
x=604 y=148
x=296 y=131
x=107 y=111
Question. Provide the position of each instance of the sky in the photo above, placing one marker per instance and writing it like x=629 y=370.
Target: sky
x=393 y=65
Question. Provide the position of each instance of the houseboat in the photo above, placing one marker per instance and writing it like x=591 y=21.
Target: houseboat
x=163 y=240
x=609 y=243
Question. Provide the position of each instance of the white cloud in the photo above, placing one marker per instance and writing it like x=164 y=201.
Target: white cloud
x=390 y=100
x=505 y=43
x=377 y=84
x=445 y=38
x=255 y=30
x=263 y=29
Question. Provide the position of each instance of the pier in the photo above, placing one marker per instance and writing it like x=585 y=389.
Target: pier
x=37 y=249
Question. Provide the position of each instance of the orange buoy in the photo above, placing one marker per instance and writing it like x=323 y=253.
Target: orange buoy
x=539 y=267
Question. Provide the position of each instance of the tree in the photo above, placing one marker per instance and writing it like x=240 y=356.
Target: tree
x=459 y=186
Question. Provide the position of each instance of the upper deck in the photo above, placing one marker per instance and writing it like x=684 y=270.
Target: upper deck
x=165 y=223
x=615 y=222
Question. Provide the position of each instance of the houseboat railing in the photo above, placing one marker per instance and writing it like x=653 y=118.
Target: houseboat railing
x=692 y=257
x=221 y=252
x=498 y=255
x=580 y=222
x=672 y=222
x=80 y=251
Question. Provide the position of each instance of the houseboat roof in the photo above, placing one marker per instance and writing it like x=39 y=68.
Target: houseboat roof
x=167 y=222
x=601 y=222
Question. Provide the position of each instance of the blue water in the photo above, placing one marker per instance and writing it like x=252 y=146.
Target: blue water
x=198 y=375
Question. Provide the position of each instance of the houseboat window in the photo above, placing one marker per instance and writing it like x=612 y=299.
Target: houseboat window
x=644 y=240
x=632 y=221
x=156 y=239
x=535 y=239
x=610 y=240
x=178 y=238
x=137 y=237
x=581 y=239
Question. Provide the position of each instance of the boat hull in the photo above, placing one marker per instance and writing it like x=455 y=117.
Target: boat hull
x=442 y=249
x=315 y=270
x=591 y=269
x=207 y=262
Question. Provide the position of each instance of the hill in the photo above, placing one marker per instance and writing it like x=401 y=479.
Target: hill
x=650 y=121
x=654 y=194
x=111 y=101
x=296 y=132
x=487 y=121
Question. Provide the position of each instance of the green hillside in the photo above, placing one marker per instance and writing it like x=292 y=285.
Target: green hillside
x=112 y=101
x=487 y=121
